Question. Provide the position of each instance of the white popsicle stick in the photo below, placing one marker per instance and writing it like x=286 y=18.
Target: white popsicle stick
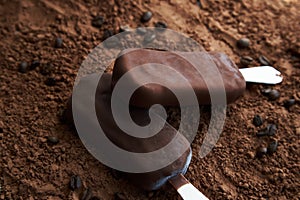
x=186 y=190
x=262 y=74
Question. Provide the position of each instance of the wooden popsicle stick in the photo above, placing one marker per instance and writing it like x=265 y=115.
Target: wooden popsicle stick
x=186 y=190
x=262 y=74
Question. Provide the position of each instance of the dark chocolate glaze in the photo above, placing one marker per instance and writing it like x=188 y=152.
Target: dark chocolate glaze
x=147 y=181
x=147 y=95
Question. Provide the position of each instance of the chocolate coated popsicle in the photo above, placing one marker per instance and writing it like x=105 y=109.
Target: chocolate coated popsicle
x=150 y=180
x=183 y=62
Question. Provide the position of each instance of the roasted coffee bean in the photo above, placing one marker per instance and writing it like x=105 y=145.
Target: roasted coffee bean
x=264 y=61
x=288 y=103
x=260 y=151
x=149 y=37
x=75 y=182
x=273 y=95
x=107 y=33
x=246 y=60
x=50 y=81
x=272 y=147
x=97 y=21
x=119 y=196
x=46 y=69
x=257 y=120
x=35 y=64
x=87 y=194
x=161 y=25
x=58 y=42
x=23 y=67
x=141 y=30
x=52 y=139
x=271 y=129
x=243 y=43
x=146 y=16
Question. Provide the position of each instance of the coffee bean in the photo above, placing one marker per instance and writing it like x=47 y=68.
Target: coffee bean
x=23 y=67
x=161 y=25
x=75 y=182
x=146 y=16
x=87 y=194
x=149 y=37
x=97 y=21
x=34 y=64
x=50 y=81
x=257 y=120
x=288 y=103
x=58 y=42
x=260 y=151
x=119 y=196
x=243 y=43
x=271 y=129
x=272 y=147
x=264 y=61
x=52 y=139
x=273 y=95
x=246 y=60
x=141 y=30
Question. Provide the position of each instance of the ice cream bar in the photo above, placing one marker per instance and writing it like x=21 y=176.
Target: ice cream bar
x=150 y=180
x=204 y=71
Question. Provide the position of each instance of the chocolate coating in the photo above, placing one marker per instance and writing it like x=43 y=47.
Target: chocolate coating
x=149 y=94
x=150 y=180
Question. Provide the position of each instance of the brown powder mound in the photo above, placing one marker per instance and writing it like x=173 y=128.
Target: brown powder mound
x=30 y=103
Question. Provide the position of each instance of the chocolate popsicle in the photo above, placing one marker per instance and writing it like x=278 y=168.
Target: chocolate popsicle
x=183 y=62
x=150 y=180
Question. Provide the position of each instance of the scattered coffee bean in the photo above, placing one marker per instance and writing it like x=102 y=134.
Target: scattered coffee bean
x=243 y=43
x=257 y=120
x=97 y=21
x=23 y=67
x=246 y=60
x=107 y=33
x=52 y=139
x=288 y=103
x=161 y=25
x=146 y=16
x=141 y=30
x=34 y=64
x=271 y=94
x=272 y=147
x=58 y=42
x=75 y=182
x=119 y=196
x=271 y=129
x=264 y=61
x=87 y=194
x=260 y=151
x=50 y=81
x=149 y=37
